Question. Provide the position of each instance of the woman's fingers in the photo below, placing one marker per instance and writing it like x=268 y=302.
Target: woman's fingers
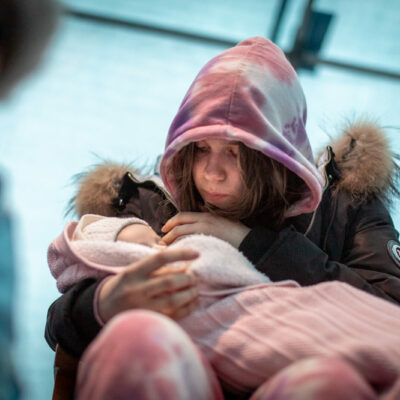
x=169 y=304
x=185 y=310
x=179 y=231
x=137 y=287
x=142 y=269
x=164 y=294
x=182 y=218
x=168 y=269
x=170 y=283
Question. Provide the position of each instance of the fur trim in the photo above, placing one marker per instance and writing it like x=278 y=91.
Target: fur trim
x=97 y=188
x=366 y=163
x=362 y=153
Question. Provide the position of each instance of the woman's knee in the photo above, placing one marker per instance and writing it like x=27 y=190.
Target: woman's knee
x=140 y=334
x=139 y=352
x=316 y=379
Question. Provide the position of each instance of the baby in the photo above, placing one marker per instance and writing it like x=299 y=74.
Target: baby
x=98 y=246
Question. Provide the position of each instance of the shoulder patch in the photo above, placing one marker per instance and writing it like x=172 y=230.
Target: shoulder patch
x=394 y=251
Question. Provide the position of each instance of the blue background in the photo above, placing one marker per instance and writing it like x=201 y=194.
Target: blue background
x=112 y=92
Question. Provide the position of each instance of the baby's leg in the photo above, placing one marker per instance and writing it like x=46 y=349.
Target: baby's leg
x=316 y=379
x=143 y=355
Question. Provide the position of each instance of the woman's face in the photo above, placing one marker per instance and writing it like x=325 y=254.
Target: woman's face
x=216 y=172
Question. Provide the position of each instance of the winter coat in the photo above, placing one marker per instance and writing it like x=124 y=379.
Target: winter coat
x=350 y=237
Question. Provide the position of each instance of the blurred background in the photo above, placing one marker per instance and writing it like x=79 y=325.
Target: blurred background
x=111 y=81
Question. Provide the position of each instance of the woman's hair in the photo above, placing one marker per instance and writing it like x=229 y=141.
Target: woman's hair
x=270 y=188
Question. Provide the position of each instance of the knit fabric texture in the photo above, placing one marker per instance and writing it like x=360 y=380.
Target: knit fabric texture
x=250 y=336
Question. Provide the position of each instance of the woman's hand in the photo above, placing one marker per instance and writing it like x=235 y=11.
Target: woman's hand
x=173 y=294
x=187 y=223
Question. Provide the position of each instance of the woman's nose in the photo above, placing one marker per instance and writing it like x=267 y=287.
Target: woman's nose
x=214 y=169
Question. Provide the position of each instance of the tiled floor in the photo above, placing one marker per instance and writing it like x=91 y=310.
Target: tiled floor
x=113 y=92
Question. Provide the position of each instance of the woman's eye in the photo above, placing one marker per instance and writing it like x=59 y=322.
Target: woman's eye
x=201 y=149
x=233 y=152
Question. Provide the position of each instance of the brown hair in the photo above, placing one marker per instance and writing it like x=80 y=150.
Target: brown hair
x=270 y=188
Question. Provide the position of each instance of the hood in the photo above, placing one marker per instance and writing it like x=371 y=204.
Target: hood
x=249 y=93
x=98 y=188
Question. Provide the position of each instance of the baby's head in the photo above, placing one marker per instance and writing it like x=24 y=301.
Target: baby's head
x=141 y=233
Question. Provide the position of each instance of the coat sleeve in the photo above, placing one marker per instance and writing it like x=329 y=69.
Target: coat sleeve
x=365 y=261
x=70 y=320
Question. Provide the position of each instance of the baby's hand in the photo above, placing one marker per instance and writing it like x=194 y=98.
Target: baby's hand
x=141 y=234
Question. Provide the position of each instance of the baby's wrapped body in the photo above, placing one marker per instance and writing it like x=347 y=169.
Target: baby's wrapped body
x=248 y=327
x=90 y=249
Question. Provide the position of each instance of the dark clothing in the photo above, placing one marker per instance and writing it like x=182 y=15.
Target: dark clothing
x=70 y=319
x=347 y=242
x=344 y=240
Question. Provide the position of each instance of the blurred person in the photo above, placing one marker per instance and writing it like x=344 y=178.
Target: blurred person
x=25 y=27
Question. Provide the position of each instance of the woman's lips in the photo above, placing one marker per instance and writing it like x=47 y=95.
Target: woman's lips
x=214 y=195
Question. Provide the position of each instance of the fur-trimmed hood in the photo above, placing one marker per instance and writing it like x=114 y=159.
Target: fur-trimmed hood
x=365 y=162
x=98 y=188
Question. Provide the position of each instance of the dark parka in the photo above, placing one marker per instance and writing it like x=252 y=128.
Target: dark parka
x=350 y=237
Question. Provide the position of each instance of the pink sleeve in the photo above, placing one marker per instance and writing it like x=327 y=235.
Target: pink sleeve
x=68 y=266
x=97 y=227
x=71 y=260
x=59 y=254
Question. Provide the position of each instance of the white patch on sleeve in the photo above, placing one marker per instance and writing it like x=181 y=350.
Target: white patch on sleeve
x=394 y=251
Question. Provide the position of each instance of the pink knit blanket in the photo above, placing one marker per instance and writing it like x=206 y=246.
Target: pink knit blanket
x=250 y=328
x=251 y=335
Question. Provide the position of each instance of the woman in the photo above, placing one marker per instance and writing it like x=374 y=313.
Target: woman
x=239 y=166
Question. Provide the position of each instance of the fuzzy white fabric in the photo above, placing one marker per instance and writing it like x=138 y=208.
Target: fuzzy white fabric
x=96 y=227
x=73 y=256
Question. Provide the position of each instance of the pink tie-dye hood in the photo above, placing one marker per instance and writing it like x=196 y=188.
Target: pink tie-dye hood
x=248 y=93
